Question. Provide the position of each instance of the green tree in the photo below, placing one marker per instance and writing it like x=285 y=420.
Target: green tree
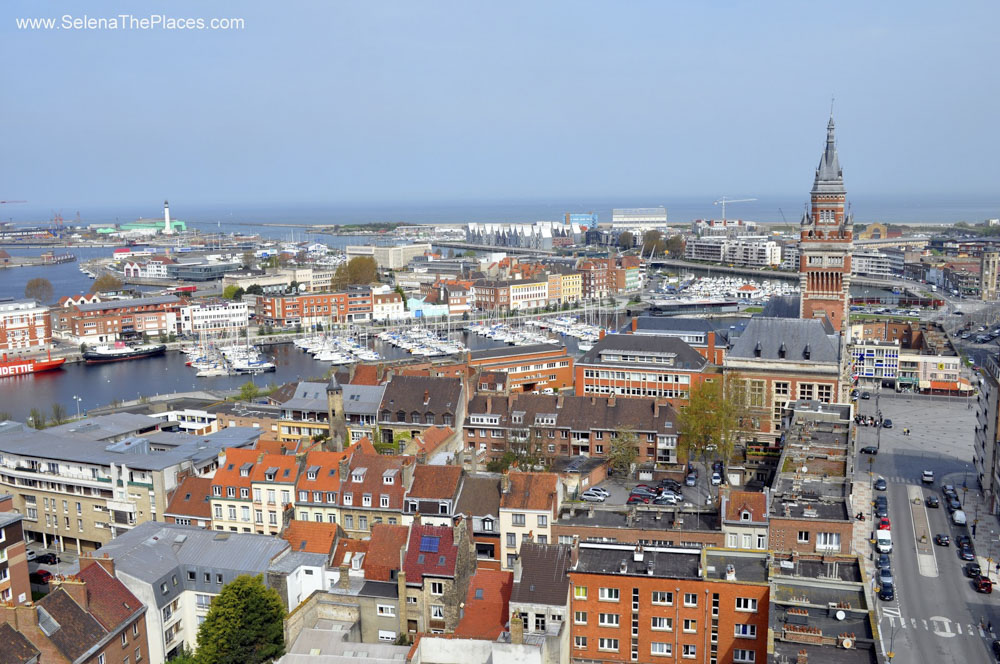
x=696 y=424
x=185 y=656
x=229 y=292
x=105 y=283
x=626 y=240
x=255 y=289
x=58 y=414
x=715 y=419
x=36 y=418
x=249 y=391
x=469 y=254
x=39 y=289
x=624 y=451
x=675 y=246
x=402 y=294
x=243 y=626
x=362 y=270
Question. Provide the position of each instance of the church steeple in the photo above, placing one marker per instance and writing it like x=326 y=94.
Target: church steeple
x=829 y=176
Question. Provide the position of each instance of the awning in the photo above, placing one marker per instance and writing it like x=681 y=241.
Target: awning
x=948 y=386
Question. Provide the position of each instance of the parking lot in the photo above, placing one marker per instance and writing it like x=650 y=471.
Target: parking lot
x=698 y=495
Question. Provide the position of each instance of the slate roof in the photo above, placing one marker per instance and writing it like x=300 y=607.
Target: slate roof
x=530 y=491
x=686 y=357
x=430 y=551
x=192 y=498
x=435 y=482
x=480 y=496
x=284 y=393
x=134 y=302
x=77 y=631
x=513 y=351
x=362 y=399
x=310 y=536
x=17 y=649
x=486 y=605
x=795 y=334
x=408 y=393
x=109 y=601
x=543 y=574
x=308 y=396
x=781 y=306
x=578 y=413
x=678 y=324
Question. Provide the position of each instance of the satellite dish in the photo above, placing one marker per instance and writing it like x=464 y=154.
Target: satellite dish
x=841 y=615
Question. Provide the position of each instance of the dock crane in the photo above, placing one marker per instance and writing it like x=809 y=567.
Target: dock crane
x=723 y=201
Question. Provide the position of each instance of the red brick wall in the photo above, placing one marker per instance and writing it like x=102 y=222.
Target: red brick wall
x=783 y=534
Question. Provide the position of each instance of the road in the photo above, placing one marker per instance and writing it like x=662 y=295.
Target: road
x=936 y=614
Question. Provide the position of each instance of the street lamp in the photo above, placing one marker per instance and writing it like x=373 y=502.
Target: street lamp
x=77 y=400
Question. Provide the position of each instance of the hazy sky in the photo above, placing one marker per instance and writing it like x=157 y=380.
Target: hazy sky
x=385 y=101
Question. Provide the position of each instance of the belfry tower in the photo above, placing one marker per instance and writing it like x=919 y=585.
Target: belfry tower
x=826 y=240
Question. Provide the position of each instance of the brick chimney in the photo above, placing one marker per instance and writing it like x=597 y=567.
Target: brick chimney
x=344 y=469
x=427 y=397
x=803 y=657
x=505 y=483
x=516 y=629
x=344 y=582
x=104 y=560
x=401 y=592
x=611 y=401
x=74 y=587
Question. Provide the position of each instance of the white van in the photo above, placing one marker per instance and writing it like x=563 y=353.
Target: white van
x=883 y=541
x=958 y=518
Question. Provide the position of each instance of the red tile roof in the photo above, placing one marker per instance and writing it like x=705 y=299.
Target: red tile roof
x=383 y=551
x=287 y=469
x=365 y=374
x=310 y=536
x=278 y=446
x=430 y=550
x=228 y=473
x=530 y=491
x=328 y=473
x=432 y=438
x=486 y=605
x=752 y=501
x=109 y=601
x=376 y=468
x=435 y=482
x=191 y=498
x=346 y=548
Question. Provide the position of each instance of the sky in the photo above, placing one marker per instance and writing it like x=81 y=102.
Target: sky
x=409 y=102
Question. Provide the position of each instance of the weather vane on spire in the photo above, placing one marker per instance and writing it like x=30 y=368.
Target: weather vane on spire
x=832 y=98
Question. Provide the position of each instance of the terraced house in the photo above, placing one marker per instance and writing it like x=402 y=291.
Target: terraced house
x=318 y=486
x=251 y=491
x=372 y=489
x=411 y=404
x=554 y=426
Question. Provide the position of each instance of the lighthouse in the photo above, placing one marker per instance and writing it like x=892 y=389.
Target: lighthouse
x=167 y=228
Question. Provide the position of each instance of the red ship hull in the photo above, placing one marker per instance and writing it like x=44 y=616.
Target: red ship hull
x=24 y=367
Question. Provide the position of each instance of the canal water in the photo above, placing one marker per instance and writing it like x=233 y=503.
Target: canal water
x=99 y=385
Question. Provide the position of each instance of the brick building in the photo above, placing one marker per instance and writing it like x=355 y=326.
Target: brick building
x=527 y=368
x=529 y=504
x=25 y=326
x=111 y=320
x=553 y=426
x=650 y=525
x=479 y=503
x=14 y=586
x=439 y=562
x=190 y=504
x=646 y=604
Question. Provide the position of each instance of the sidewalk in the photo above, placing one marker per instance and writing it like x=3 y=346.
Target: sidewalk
x=861 y=535
x=985 y=541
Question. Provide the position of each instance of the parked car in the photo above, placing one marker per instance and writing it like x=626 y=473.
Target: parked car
x=996 y=649
x=869 y=449
x=953 y=504
x=963 y=540
x=966 y=553
x=942 y=540
x=982 y=584
x=691 y=479
x=886 y=424
x=717 y=466
x=677 y=495
x=866 y=395
x=639 y=491
x=716 y=479
x=637 y=500
x=932 y=501
x=886 y=593
x=885 y=576
x=592 y=496
x=668 y=483
x=972 y=570
x=40 y=577
x=47 y=559
x=884 y=523
x=927 y=477
x=881 y=510
x=31 y=555
x=665 y=499
x=883 y=561
x=949 y=491
x=880 y=484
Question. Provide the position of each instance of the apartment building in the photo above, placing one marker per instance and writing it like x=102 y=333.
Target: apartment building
x=595 y=282
x=527 y=368
x=744 y=519
x=632 y=365
x=191 y=503
x=87 y=618
x=389 y=258
x=540 y=594
x=82 y=484
x=412 y=404
x=986 y=433
x=214 y=316
x=704 y=335
x=306 y=310
x=432 y=497
x=360 y=410
x=529 y=503
x=436 y=570
x=14 y=586
x=388 y=306
x=25 y=325
x=645 y=525
x=906 y=355
x=816 y=454
x=560 y=426
x=176 y=571
x=306 y=413
x=758 y=252
x=318 y=487
x=479 y=504
x=783 y=360
x=112 y=320
x=372 y=489
x=641 y=603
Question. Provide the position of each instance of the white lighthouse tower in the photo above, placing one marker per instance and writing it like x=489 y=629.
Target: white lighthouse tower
x=167 y=228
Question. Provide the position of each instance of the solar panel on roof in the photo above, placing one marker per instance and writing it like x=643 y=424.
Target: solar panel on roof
x=429 y=543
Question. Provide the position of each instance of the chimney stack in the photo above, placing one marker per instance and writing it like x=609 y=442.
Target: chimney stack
x=104 y=560
x=611 y=401
x=401 y=591
x=505 y=482
x=803 y=657
x=518 y=569
x=427 y=397
x=344 y=582
x=344 y=469
x=516 y=630
x=74 y=587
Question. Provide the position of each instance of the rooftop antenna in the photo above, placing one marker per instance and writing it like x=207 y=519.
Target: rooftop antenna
x=832 y=99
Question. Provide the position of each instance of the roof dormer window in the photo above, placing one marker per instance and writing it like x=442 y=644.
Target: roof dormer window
x=745 y=515
x=358 y=475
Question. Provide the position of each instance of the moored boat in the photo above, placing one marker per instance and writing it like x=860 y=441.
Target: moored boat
x=22 y=367
x=121 y=351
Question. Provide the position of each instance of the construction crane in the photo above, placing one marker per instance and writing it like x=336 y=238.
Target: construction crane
x=723 y=201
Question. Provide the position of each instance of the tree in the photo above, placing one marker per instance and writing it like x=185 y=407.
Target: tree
x=249 y=259
x=469 y=254
x=58 y=414
x=105 y=283
x=626 y=241
x=362 y=270
x=624 y=451
x=675 y=246
x=451 y=253
x=717 y=415
x=255 y=289
x=39 y=289
x=249 y=391
x=229 y=292
x=402 y=294
x=36 y=419
x=243 y=626
x=294 y=286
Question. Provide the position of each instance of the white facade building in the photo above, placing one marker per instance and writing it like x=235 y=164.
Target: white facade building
x=214 y=316
x=743 y=251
